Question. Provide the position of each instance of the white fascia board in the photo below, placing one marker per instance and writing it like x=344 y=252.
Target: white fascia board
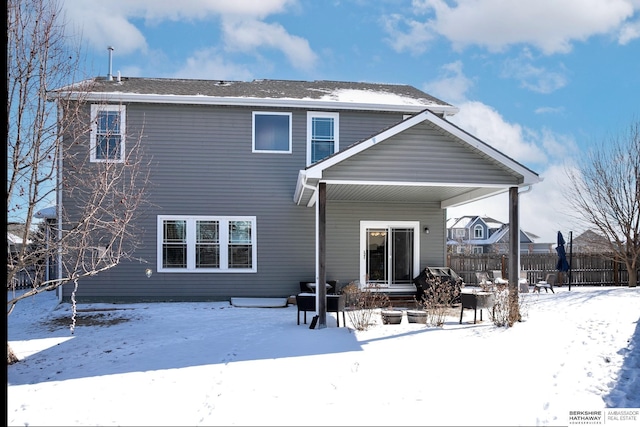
x=447 y=110
x=494 y=187
x=472 y=196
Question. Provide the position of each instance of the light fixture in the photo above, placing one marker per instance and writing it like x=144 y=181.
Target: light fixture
x=426 y=230
x=148 y=272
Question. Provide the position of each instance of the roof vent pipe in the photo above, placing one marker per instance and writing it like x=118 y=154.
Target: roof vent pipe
x=110 y=75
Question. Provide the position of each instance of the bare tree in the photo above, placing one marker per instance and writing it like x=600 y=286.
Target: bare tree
x=604 y=193
x=47 y=127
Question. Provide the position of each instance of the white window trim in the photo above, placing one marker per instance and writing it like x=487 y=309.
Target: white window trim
x=253 y=132
x=478 y=235
x=459 y=232
x=336 y=130
x=191 y=244
x=388 y=225
x=95 y=108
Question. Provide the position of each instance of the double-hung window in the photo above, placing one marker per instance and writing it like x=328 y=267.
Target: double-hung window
x=107 y=133
x=478 y=232
x=322 y=135
x=206 y=244
x=271 y=132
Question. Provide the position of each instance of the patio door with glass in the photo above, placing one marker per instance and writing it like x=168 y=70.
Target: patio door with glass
x=389 y=253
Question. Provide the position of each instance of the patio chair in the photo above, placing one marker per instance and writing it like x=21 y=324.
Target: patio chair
x=497 y=278
x=335 y=304
x=483 y=280
x=547 y=284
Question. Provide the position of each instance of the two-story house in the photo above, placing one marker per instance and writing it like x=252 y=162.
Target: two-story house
x=475 y=234
x=259 y=185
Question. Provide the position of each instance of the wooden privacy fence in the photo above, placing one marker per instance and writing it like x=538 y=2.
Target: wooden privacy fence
x=586 y=269
x=23 y=279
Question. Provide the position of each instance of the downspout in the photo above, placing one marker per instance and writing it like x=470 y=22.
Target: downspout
x=308 y=187
x=316 y=232
x=529 y=188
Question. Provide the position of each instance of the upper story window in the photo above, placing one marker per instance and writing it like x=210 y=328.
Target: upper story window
x=459 y=232
x=271 y=132
x=107 y=133
x=478 y=232
x=322 y=135
x=206 y=244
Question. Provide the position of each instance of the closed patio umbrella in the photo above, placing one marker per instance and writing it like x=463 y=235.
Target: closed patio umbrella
x=562 y=264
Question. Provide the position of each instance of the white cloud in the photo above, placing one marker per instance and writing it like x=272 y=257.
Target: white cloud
x=549 y=110
x=629 y=32
x=511 y=139
x=110 y=23
x=100 y=26
x=413 y=38
x=535 y=78
x=452 y=85
x=209 y=64
x=247 y=35
x=550 y=25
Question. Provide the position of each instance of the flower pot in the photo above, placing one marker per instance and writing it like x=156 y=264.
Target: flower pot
x=391 y=317
x=417 y=316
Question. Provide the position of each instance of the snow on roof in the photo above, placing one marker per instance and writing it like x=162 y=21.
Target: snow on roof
x=48 y=213
x=12 y=238
x=461 y=222
x=372 y=97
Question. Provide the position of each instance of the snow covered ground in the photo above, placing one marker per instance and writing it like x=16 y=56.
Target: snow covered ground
x=574 y=360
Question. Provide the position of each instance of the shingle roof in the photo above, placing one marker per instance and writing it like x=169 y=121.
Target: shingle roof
x=317 y=90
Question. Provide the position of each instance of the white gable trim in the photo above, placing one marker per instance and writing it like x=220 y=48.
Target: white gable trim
x=529 y=176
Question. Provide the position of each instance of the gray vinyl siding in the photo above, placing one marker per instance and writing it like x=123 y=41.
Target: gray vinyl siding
x=343 y=233
x=421 y=154
x=202 y=164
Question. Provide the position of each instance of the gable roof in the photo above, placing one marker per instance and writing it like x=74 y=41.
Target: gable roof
x=272 y=93
x=448 y=194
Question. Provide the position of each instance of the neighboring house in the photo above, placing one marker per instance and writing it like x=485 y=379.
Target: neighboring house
x=15 y=241
x=589 y=242
x=15 y=244
x=259 y=185
x=483 y=235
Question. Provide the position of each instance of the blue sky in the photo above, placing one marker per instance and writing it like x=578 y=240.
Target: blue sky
x=540 y=80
